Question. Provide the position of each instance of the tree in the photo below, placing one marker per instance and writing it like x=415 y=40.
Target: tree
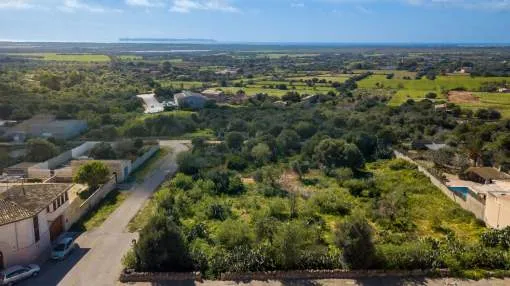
x=38 y=150
x=333 y=153
x=93 y=174
x=305 y=129
x=261 y=153
x=354 y=236
x=103 y=151
x=162 y=247
x=288 y=141
x=234 y=140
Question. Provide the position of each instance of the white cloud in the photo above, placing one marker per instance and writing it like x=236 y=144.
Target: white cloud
x=185 y=6
x=144 y=3
x=72 y=6
x=297 y=5
x=15 y=4
x=463 y=4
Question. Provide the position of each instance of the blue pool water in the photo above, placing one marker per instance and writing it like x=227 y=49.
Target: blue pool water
x=460 y=191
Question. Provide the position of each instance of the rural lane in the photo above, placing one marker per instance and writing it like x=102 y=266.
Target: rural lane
x=98 y=259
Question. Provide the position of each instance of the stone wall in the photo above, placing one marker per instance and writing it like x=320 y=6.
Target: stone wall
x=126 y=276
x=326 y=274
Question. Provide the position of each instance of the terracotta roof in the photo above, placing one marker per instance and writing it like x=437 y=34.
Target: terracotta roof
x=488 y=173
x=23 y=201
x=10 y=212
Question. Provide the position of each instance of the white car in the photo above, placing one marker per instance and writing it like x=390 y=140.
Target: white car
x=17 y=273
x=62 y=249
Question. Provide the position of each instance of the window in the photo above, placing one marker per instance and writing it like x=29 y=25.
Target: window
x=36 y=228
x=66 y=196
x=54 y=205
x=48 y=209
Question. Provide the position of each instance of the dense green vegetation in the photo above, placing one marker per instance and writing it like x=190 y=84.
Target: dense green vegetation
x=311 y=188
x=301 y=174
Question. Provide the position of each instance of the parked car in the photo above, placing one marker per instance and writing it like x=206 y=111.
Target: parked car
x=17 y=273
x=62 y=249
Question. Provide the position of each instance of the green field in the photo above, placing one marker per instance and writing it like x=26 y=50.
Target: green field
x=183 y=84
x=64 y=57
x=130 y=58
x=328 y=77
x=441 y=83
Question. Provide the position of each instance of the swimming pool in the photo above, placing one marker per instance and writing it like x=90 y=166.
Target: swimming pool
x=460 y=191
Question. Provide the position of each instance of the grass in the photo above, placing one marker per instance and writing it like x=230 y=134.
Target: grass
x=328 y=77
x=441 y=83
x=498 y=101
x=64 y=57
x=149 y=165
x=183 y=84
x=130 y=57
x=142 y=217
x=427 y=204
x=97 y=216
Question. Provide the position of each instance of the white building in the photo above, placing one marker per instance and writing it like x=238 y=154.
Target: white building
x=31 y=216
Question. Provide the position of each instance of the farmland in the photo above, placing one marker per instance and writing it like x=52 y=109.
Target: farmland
x=84 y=58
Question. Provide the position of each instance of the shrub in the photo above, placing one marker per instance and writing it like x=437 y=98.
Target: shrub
x=190 y=164
x=331 y=202
x=182 y=182
x=496 y=238
x=407 y=256
x=233 y=233
x=401 y=164
x=354 y=236
x=218 y=211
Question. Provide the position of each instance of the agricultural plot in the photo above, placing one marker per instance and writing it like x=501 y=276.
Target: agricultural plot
x=328 y=77
x=441 y=83
x=64 y=57
x=498 y=101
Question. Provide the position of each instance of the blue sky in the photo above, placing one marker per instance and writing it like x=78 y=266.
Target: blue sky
x=438 y=21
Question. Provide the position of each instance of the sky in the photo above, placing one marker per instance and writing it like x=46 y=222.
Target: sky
x=330 y=21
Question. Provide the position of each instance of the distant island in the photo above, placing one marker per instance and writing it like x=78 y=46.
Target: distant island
x=169 y=40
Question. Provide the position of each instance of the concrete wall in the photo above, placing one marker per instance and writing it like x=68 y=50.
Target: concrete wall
x=78 y=208
x=42 y=170
x=470 y=204
x=142 y=159
x=17 y=241
x=497 y=211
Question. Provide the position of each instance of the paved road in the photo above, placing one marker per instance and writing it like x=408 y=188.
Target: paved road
x=152 y=105
x=97 y=261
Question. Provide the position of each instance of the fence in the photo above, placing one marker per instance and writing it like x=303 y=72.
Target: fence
x=470 y=203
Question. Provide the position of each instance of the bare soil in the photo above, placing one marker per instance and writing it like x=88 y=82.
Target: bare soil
x=462 y=97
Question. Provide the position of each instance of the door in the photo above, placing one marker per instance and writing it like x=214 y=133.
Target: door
x=56 y=228
x=1 y=261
